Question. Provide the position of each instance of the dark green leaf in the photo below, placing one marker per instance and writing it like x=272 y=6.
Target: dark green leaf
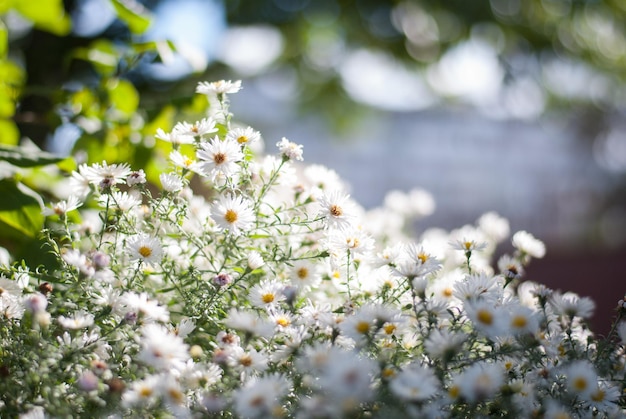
x=133 y=14
x=20 y=211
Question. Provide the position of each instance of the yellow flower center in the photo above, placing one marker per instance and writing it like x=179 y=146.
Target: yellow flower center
x=245 y=360
x=336 y=211
x=598 y=395
x=283 y=322
x=175 y=395
x=302 y=273
x=447 y=292
x=454 y=392
x=580 y=384
x=230 y=216
x=485 y=317
x=145 y=251
x=423 y=257
x=363 y=327
x=145 y=392
x=519 y=322
x=388 y=372
x=389 y=328
x=267 y=298
x=242 y=139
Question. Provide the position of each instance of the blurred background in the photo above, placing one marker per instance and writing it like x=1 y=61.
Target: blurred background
x=515 y=106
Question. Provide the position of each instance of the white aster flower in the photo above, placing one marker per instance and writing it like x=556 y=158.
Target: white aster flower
x=414 y=383
x=267 y=293
x=171 y=182
x=162 y=349
x=143 y=392
x=495 y=227
x=122 y=201
x=185 y=162
x=79 y=320
x=487 y=318
x=220 y=157
x=176 y=138
x=468 y=245
x=347 y=379
x=142 y=305
x=233 y=213
x=522 y=320
x=289 y=150
x=61 y=208
x=444 y=344
x=510 y=268
x=106 y=175
x=250 y=360
x=144 y=248
x=304 y=274
x=528 y=244
x=353 y=240
x=79 y=183
x=219 y=87
x=582 y=379
x=243 y=136
x=255 y=260
x=197 y=129
x=35 y=303
x=137 y=177
x=261 y=397
x=481 y=381
x=571 y=305
x=337 y=208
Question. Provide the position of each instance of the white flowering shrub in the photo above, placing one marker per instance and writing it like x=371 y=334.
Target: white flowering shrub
x=249 y=285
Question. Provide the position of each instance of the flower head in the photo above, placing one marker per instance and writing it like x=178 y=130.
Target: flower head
x=144 y=248
x=289 y=150
x=337 y=209
x=528 y=244
x=218 y=87
x=233 y=213
x=220 y=157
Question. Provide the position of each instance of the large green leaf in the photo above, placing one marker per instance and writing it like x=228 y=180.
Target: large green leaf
x=102 y=53
x=9 y=133
x=20 y=211
x=4 y=40
x=27 y=157
x=133 y=14
x=123 y=95
x=48 y=15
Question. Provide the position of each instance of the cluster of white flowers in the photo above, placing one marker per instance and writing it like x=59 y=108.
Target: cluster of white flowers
x=265 y=291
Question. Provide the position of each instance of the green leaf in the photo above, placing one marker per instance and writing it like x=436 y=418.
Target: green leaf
x=123 y=95
x=27 y=157
x=102 y=54
x=133 y=14
x=20 y=211
x=48 y=15
x=9 y=134
x=164 y=49
x=4 y=40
